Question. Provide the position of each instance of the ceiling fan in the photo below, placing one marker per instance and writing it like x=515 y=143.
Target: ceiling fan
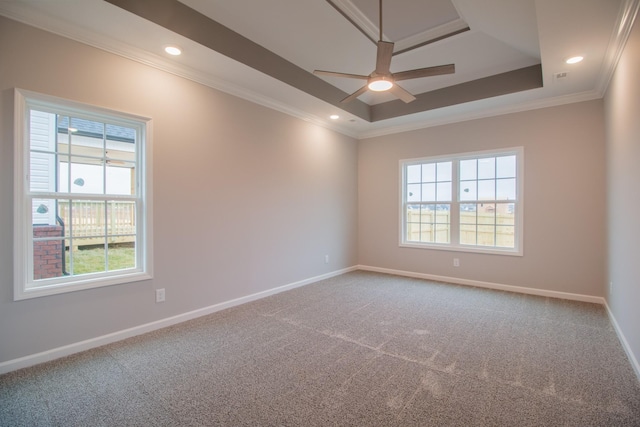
x=382 y=79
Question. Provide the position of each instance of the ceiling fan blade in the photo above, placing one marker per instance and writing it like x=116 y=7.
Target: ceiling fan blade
x=401 y=93
x=336 y=74
x=383 y=59
x=425 y=72
x=354 y=95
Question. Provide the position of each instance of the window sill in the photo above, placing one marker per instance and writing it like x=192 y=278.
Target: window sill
x=462 y=248
x=56 y=287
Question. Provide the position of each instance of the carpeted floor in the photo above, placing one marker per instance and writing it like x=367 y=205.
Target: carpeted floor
x=361 y=349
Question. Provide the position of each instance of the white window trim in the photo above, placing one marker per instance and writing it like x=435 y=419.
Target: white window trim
x=454 y=245
x=23 y=100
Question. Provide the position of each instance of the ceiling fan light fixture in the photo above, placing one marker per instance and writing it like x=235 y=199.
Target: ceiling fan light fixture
x=380 y=85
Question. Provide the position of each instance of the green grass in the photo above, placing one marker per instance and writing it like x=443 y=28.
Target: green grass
x=93 y=260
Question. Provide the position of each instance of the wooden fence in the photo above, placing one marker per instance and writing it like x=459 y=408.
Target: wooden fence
x=88 y=221
x=476 y=228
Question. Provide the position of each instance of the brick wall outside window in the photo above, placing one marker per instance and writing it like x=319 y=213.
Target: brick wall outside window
x=47 y=254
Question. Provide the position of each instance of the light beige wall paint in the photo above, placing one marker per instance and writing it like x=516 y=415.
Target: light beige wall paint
x=245 y=198
x=622 y=108
x=564 y=217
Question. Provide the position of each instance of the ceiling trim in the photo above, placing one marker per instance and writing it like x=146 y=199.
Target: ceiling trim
x=620 y=35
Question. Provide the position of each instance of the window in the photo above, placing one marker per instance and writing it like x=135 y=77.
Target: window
x=467 y=202
x=82 y=204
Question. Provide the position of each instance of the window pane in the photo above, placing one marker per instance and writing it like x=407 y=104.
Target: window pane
x=428 y=192
x=87 y=138
x=42 y=131
x=444 y=171
x=429 y=172
x=487 y=190
x=87 y=176
x=43 y=212
x=426 y=233
x=413 y=192
x=62 y=126
x=120 y=178
x=468 y=190
x=468 y=234
x=486 y=235
x=63 y=173
x=443 y=214
x=86 y=259
x=505 y=213
x=468 y=169
x=413 y=173
x=48 y=252
x=505 y=236
x=486 y=213
x=87 y=220
x=506 y=189
x=121 y=255
x=442 y=233
x=41 y=175
x=506 y=167
x=413 y=232
x=120 y=143
x=487 y=168
x=468 y=214
x=413 y=213
x=444 y=192
x=121 y=220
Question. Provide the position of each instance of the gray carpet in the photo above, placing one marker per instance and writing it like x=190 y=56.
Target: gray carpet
x=361 y=349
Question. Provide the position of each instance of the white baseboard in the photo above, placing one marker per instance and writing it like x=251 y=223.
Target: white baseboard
x=56 y=353
x=489 y=285
x=623 y=341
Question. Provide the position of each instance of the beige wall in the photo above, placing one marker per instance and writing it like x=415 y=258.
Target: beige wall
x=622 y=107
x=246 y=199
x=564 y=199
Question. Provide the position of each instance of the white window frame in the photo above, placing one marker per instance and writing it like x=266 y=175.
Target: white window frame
x=25 y=286
x=455 y=203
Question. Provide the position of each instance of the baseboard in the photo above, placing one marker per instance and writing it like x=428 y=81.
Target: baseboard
x=488 y=285
x=623 y=341
x=56 y=353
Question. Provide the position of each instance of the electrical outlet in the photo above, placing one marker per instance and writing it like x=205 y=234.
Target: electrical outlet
x=326 y=259
x=160 y=295
x=456 y=262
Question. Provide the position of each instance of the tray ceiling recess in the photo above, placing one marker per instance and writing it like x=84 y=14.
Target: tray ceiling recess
x=382 y=79
x=412 y=26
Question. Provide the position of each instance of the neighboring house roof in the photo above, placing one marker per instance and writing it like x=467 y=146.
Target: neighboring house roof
x=95 y=129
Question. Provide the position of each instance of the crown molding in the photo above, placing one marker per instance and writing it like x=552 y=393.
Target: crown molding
x=619 y=36
x=451 y=116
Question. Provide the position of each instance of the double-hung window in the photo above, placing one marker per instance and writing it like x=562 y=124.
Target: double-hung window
x=82 y=201
x=466 y=202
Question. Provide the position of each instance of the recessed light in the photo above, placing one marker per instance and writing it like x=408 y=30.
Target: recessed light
x=334 y=117
x=173 y=50
x=574 y=59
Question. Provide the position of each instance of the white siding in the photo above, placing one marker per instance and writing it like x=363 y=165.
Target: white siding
x=42 y=170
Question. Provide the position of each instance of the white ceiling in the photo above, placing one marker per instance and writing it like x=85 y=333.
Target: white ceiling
x=504 y=35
